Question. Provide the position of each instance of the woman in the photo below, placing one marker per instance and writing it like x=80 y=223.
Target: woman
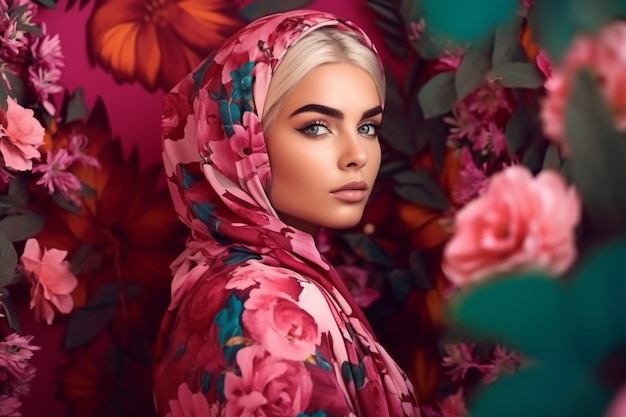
x=260 y=324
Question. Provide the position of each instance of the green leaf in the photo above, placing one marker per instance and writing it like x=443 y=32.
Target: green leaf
x=418 y=186
x=562 y=389
x=474 y=67
x=506 y=42
x=597 y=305
x=8 y=260
x=438 y=95
x=368 y=249
x=419 y=272
x=401 y=283
x=535 y=155
x=10 y=311
x=76 y=107
x=466 y=21
x=50 y=4
x=518 y=75
x=391 y=22
x=21 y=226
x=525 y=312
x=515 y=130
x=260 y=8
x=18 y=192
x=598 y=155
x=396 y=131
x=87 y=323
x=552 y=160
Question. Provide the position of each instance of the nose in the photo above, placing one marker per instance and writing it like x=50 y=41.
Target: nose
x=353 y=152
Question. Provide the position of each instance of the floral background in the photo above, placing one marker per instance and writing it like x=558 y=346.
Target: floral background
x=490 y=260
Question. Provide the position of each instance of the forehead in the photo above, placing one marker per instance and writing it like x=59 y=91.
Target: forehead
x=341 y=86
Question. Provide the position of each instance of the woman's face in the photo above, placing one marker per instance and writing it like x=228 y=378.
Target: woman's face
x=323 y=149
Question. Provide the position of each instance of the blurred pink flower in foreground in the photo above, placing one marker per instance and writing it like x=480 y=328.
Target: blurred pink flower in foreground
x=617 y=407
x=604 y=54
x=356 y=280
x=454 y=405
x=20 y=136
x=518 y=223
x=51 y=280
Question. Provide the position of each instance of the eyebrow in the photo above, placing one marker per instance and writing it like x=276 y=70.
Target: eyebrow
x=332 y=112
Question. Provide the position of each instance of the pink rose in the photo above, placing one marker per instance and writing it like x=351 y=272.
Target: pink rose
x=267 y=386
x=273 y=279
x=617 y=407
x=20 y=136
x=51 y=280
x=280 y=325
x=602 y=53
x=518 y=223
x=356 y=280
x=191 y=404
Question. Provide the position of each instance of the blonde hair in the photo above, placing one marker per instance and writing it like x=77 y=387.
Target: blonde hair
x=326 y=45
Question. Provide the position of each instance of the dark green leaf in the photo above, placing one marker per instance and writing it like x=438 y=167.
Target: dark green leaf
x=506 y=41
x=85 y=259
x=518 y=75
x=401 y=283
x=597 y=304
x=552 y=160
x=18 y=192
x=438 y=95
x=436 y=129
x=86 y=190
x=598 y=155
x=50 y=4
x=368 y=249
x=76 y=107
x=395 y=129
x=421 y=277
x=524 y=312
x=65 y=203
x=466 y=21
x=418 y=186
x=391 y=22
x=10 y=311
x=474 y=67
x=535 y=155
x=516 y=130
x=17 y=86
x=21 y=226
x=8 y=260
x=393 y=166
x=260 y=8
x=559 y=390
x=86 y=323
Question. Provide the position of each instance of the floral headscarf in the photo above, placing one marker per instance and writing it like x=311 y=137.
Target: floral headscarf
x=217 y=164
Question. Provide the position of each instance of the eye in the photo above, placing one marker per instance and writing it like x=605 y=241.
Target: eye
x=369 y=129
x=315 y=129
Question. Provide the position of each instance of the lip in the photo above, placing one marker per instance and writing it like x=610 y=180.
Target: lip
x=351 y=192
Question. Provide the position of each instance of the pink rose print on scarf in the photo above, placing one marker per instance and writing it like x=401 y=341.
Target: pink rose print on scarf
x=266 y=386
x=273 y=279
x=520 y=222
x=174 y=116
x=20 y=136
x=281 y=326
x=51 y=280
x=248 y=143
x=191 y=404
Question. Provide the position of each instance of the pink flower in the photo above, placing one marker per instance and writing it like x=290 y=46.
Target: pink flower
x=9 y=406
x=463 y=123
x=471 y=181
x=356 y=280
x=603 y=53
x=502 y=364
x=518 y=223
x=488 y=99
x=617 y=407
x=47 y=52
x=544 y=64
x=267 y=386
x=281 y=326
x=56 y=177
x=191 y=404
x=459 y=360
x=15 y=352
x=51 y=280
x=20 y=136
x=489 y=139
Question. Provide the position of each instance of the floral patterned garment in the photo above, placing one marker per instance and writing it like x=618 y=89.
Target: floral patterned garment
x=259 y=324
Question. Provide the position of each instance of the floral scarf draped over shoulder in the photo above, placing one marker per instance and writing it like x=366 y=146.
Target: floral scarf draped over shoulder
x=259 y=324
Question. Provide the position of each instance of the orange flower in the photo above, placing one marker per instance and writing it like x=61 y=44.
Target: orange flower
x=157 y=42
